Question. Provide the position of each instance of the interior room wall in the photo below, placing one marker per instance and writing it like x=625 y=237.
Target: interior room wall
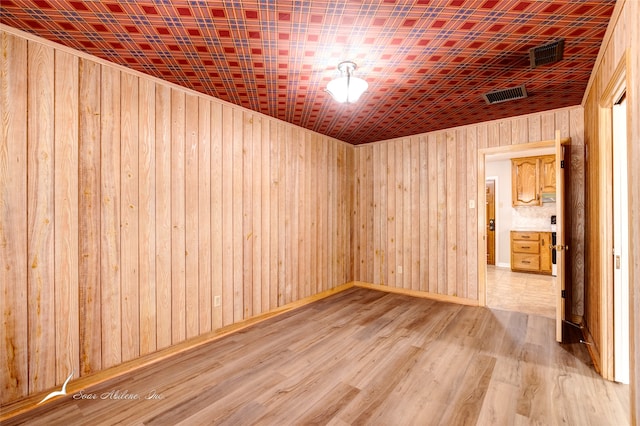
x=622 y=37
x=136 y=215
x=415 y=204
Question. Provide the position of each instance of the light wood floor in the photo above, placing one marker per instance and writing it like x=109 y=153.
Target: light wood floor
x=521 y=292
x=365 y=357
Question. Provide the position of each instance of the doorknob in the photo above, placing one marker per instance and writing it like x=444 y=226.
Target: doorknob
x=559 y=247
x=492 y=224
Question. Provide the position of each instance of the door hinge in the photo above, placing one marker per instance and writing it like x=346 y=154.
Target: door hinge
x=564 y=294
x=562 y=164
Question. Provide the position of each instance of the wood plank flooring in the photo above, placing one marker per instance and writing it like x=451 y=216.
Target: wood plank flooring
x=363 y=357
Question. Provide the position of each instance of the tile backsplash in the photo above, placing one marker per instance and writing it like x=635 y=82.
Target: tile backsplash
x=534 y=218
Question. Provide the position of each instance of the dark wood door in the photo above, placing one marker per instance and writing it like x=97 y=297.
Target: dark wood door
x=491 y=222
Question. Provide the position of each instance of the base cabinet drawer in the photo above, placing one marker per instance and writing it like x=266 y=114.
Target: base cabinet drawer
x=526 y=262
x=532 y=247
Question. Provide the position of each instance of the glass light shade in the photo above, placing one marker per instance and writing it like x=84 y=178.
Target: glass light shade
x=347 y=89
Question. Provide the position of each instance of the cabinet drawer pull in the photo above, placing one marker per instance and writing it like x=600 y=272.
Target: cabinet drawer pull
x=525 y=247
x=525 y=236
x=526 y=261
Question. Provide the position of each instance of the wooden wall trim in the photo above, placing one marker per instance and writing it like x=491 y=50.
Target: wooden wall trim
x=622 y=40
x=26 y=404
x=613 y=90
x=417 y=293
x=604 y=46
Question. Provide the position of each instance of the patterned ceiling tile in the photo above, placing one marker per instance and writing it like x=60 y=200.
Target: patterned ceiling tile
x=427 y=62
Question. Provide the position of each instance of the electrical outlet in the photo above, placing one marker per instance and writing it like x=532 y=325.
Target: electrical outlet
x=216 y=301
x=472 y=204
x=399 y=269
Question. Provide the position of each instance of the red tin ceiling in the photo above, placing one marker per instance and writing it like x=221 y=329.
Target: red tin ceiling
x=427 y=62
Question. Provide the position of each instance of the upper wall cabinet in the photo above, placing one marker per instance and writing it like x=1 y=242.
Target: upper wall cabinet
x=530 y=178
x=548 y=174
x=525 y=181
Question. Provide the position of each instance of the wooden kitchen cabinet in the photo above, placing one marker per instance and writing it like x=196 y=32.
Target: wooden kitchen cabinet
x=548 y=174
x=525 y=181
x=530 y=178
x=531 y=252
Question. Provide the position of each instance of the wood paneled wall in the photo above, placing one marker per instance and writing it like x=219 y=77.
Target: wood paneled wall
x=622 y=39
x=415 y=228
x=129 y=206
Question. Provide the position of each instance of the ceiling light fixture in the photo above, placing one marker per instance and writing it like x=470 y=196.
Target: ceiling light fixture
x=347 y=88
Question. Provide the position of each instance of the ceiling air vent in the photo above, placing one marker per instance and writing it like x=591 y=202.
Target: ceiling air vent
x=505 y=95
x=546 y=54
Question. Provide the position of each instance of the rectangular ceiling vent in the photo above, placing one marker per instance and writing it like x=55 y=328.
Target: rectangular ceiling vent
x=546 y=54
x=505 y=95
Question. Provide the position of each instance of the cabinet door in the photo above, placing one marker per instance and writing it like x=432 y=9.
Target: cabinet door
x=548 y=173
x=545 y=252
x=525 y=181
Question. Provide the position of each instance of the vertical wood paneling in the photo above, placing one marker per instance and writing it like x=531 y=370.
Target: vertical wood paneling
x=178 y=217
x=391 y=211
x=248 y=235
x=14 y=371
x=377 y=171
x=191 y=220
x=442 y=230
x=274 y=216
x=40 y=214
x=66 y=215
x=266 y=237
x=217 y=208
x=167 y=215
x=323 y=165
x=89 y=291
x=471 y=144
x=406 y=213
x=399 y=212
x=163 y=216
x=535 y=129
x=204 y=237
x=460 y=249
x=227 y=216
x=312 y=204
x=147 y=214
x=237 y=236
x=423 y=228
x=577 y=197
x=256 y=208
x=282 y=216
x=428 y=211
x=383 y=248
x=367 y=204
x=414 y=229
x=129 y=206
x=110 y=265
x=432 y=165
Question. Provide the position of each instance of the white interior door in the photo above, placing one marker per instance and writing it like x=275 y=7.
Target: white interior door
x=620 y=244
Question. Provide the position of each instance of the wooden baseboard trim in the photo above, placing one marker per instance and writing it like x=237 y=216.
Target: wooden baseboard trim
x=591 y=348
x=417 y=293
x=29 y=403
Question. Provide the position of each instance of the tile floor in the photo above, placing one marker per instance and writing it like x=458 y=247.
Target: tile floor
x=521 y=292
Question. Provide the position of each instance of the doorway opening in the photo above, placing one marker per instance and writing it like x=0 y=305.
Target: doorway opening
x=531 y=293
x=620 y=242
